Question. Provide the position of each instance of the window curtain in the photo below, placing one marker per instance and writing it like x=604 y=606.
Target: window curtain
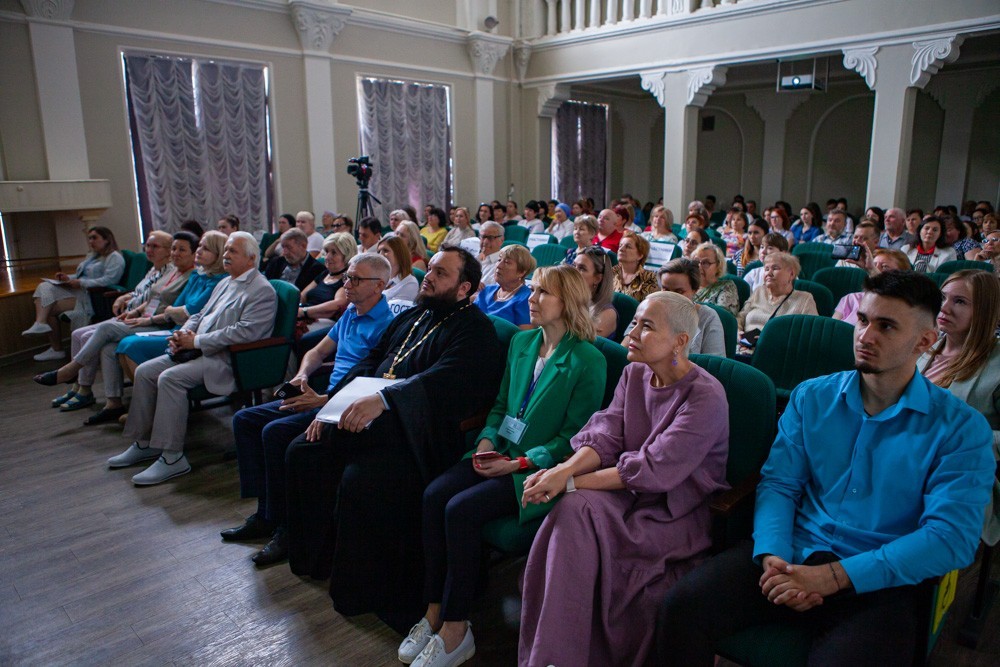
x=580 y=152
x=406 y=130
x=199 y=139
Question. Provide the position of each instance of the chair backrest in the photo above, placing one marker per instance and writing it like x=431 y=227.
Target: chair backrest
x=718 y=241
x=617 y=359
x=505 y=331
x=549 y=254
x=752 y=414
x=418 y=274
x=513 y=242
x=730 y=328
x=821 y=295
x=742 y=287
x=625 y=306
x=136 y=268
x=756 y=264
x=568 y=243
x=811 y=262
x=954 y=265
x=812 y=248
x=793 y=348
x=938 y=277
x=516 y=233
x=730 y=267
x=288 y=309
x=840 y=280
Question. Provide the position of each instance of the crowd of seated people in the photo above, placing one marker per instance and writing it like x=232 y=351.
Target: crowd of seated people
x=619 y=569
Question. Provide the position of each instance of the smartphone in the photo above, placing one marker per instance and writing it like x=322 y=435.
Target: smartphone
x=288 y=390
x=479 y=457
x=847 y=252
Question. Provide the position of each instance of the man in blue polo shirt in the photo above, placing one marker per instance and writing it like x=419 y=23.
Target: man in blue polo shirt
x=877 y=481
x=264 y=432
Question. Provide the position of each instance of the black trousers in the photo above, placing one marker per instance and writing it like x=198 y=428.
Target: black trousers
x=456 y=507
x=722 y=597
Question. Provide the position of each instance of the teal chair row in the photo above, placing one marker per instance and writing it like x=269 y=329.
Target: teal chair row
x=549 y=254
x=516 y=233
x=568 y=243
x=102 y=298
x=841 y=280
x=625 y=307
x=962 y=265
x=730 y=328
x=821 y=295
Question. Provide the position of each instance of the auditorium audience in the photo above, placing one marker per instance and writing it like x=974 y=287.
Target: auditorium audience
x=713 y=290
x=957 y=236
x=634 y=516
x=629 y=275
x=584 y=229
x=561 y=226
x=532 y=218
x=240 y=310
x=683 y=276
x=966 y=358
x=295 y=265
x=836 y=232
x=750 y=252
x=609 y=228
x=410 y=233
x=483 y=214
x=103 y=266
x=661 y=222
x=397 y=217
x=508 y=297
x=776 y=297
x=354 y=489
x=866 y=237
x=98 y=348
x=402 y=284
x=553 y=383
x=512 y=214
x=692 y=239
x=734 y=232
x=882 y=260
x=990 y=252
x=932 y=250
x=327 y=220
x=134 y=350
x=369 y=234
x=877 y=481
x=491 y=235
x=778 y=221
x=896 y=236
x=228 y=224
x=264 y=432
x=807 y=228
x=595 y=265
x=306 y=222
x=192 y=226
x=772 y=242
x=695 y=222
x=284 y=222
x=434 y=231
x=342 y=223
x=462 y=228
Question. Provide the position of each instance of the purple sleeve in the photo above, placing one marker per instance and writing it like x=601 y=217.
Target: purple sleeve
x=605 y=431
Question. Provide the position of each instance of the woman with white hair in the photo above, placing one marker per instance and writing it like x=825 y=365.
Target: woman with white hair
x=634 y=513
x=776 y=297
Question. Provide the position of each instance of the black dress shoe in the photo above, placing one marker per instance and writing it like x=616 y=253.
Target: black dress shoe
x=105 y=415
x=48 y=379
x=275 y=551
x=253 y=528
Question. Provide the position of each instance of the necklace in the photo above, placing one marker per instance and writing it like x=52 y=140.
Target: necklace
x=403 y=353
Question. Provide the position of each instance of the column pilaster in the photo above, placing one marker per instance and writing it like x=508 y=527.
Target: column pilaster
x=774 y=109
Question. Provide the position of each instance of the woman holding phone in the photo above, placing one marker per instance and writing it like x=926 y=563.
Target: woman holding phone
x=553 y=382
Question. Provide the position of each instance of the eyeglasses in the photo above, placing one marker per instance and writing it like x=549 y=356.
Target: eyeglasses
x=992 y=239
x=706 y=262
x=354 y=278
x=490 y=237
x=338 y=225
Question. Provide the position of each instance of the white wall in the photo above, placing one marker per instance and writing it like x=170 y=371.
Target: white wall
x=984 y=159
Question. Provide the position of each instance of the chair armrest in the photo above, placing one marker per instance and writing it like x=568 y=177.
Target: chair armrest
x=473 y=422
x=724 y=503
x=114 y=293
x=258 y=344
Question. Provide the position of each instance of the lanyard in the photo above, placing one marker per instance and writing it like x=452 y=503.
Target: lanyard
x=527 y=396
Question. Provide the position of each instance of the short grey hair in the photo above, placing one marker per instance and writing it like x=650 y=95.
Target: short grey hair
x=307 y=215
x=400 y=213
x=377 y=263
x=343 y=242
x=681 y=315
x=295 y=235
x=250 y=245
x=787 y=261
x=719 y=255
x=490 y=226
x=587 y=220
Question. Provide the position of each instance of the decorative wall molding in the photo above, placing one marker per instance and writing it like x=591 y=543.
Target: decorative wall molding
x=772 y=106
x=862 y=60
x=486 y=50
x=56 y=10
x=702 y=82
x=522 y=55
x=654 y=82
x=550 y=97
x=963 y=89
x=930 y=55
x=318 y=25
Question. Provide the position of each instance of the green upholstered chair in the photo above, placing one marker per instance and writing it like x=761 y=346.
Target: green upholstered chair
x=625 y=306
x=719 y=242
x=418 y=274
x=812 y=248
x=963 y=264
x=513 y=242
x=505 y=331
x=821 y=295
x=265 y=242
x=742 y=287
x=938 y=277
x=568 y=243
x=756 y=264
x=549 y=254
x=678 y=230
x=516 y=233
x=730 y=328
x=794 y=348
x=507 y=535
x=263 y=363
x=752 y=427
x=813 y=257
x=840 y=280
x=730 y=267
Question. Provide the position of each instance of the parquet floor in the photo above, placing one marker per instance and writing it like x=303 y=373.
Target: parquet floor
x=96 y=571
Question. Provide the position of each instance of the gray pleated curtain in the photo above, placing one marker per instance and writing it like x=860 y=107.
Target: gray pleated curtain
x=580 y=156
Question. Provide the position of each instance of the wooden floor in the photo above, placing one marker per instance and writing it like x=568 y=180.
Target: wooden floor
x=95 y=571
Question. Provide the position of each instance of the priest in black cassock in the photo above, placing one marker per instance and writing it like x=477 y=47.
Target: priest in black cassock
x=354 y=493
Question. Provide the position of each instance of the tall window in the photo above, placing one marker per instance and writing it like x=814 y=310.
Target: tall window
x=580 y=152
x=406 y=130
x=200 y=141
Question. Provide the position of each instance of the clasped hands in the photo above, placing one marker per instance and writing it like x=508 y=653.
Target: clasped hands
x=799 y=587
x=355 y=418
x=544 y=485
x=182 y=339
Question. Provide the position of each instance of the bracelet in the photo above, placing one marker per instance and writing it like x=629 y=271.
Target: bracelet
x=571 y=484
x=836 y=580
x=523 y=462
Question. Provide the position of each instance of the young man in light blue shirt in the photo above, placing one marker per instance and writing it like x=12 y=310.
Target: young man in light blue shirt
x=877 y=481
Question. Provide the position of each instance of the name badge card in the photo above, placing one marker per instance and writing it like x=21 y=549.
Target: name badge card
x=537 y=239
x=512 y=428
x=659 y=254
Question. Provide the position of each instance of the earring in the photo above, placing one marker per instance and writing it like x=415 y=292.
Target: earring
x=674 y=362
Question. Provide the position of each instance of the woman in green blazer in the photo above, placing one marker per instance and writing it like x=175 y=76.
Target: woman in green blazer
x=553 y=383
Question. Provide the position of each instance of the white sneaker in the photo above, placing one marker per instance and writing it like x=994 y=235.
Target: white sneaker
x=37 y=328
x=134 y=454
x=50 y=355
x=415 y=642
x=434 y=654
x=161 y=471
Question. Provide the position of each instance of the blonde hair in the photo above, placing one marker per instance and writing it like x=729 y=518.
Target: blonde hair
x=214 y=241
x=400 y=252
x=413 y=242
x=981 y=339
x=521 y=256
x=787 y=261
x=343 y=242
x=720 y=265
x=565 y=282
x=667 y=213
x=681 y=315
x=589 y=221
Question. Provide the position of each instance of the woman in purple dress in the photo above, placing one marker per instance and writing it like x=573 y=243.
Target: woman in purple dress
x=645 y=468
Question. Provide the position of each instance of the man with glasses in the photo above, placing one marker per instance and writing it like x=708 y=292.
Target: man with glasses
x=490 y=241
x=264 y=432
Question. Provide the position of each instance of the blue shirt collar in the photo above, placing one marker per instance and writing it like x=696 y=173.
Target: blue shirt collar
x=915 y=397
x=377 y=311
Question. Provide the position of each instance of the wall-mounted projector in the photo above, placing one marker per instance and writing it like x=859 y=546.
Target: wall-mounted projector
x=802 y=75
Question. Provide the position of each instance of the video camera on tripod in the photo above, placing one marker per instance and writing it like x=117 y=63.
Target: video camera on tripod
x=361 y=169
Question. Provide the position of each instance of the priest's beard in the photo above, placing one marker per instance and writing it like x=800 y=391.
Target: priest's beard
x=439 y=303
